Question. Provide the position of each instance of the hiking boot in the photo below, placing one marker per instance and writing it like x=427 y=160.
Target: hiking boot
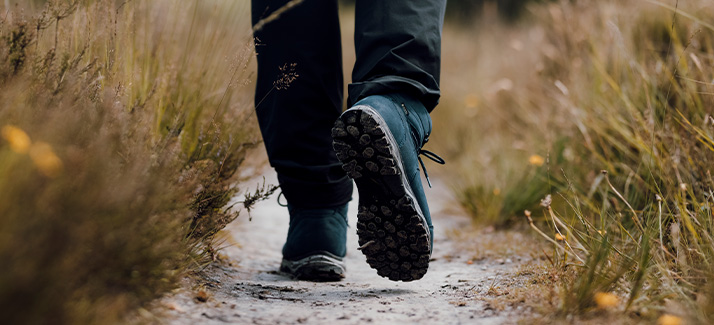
x=379 y=141
x=316 y=243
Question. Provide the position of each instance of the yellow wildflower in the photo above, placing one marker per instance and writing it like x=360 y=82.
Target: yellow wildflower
x=497 y=191
x=45 y=159
x=536 y=160
x=667 y=319
x=17 y=138
x=606 y=300
x=471 y=101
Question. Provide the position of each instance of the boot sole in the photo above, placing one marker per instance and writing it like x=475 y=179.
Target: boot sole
x=319 y=267
x=392 y=230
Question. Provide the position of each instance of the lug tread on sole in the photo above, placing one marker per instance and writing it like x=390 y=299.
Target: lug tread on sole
x=391 y=234
x=316 y=274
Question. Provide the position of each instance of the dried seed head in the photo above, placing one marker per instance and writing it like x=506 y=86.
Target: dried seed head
x=286 y=77
x=546 y=201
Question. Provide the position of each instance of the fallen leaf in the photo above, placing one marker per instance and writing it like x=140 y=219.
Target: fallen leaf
x=173 y=306
x=202 y=296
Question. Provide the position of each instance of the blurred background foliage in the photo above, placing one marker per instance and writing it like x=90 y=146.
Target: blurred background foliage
x=466 y=11
x=590 y=121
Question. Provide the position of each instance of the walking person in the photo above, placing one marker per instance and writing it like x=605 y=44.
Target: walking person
x=377 y=142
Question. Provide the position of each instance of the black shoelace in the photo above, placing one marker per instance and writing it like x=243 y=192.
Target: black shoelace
x=434 y=157
x=284 y=205
x=426 y=153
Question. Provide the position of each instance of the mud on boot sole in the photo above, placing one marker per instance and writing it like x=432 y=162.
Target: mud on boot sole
x=392 y=231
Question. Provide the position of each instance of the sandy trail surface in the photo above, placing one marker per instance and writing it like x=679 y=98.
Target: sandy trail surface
x=249 y=289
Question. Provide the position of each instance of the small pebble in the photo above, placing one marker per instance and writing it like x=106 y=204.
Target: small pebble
x=484 y=268
x=508 y=260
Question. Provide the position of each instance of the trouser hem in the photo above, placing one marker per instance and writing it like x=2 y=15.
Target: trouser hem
x=303 y=194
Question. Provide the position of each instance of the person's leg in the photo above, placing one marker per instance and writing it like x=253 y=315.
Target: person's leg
x=295 y=119
x=379 y=139
x=398 y=47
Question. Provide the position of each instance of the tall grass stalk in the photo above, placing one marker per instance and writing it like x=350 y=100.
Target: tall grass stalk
x=621 y=87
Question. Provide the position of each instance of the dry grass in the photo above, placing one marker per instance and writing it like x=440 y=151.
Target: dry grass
x=122 y=133
x=121 y=138
x=483 y=78
x=585 y=86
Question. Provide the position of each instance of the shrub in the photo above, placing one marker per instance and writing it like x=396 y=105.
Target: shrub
x=121 y=138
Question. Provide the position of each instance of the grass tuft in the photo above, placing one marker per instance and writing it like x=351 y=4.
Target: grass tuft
x=119 y=148
x=620 y=87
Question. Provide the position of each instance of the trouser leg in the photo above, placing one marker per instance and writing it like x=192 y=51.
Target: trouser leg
x=398 y=45
x=296 y=120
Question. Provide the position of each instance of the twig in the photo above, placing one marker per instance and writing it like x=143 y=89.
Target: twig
x=634 y=214
x=366 y=245
x=548 y=257
x=569 y=234
x=659 y=217
x=275 y=15
x=530 y=221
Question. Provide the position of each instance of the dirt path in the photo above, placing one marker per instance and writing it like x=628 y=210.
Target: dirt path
x=249 y=289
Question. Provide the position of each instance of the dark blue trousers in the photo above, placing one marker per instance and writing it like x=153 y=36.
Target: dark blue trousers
x=398 y=45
